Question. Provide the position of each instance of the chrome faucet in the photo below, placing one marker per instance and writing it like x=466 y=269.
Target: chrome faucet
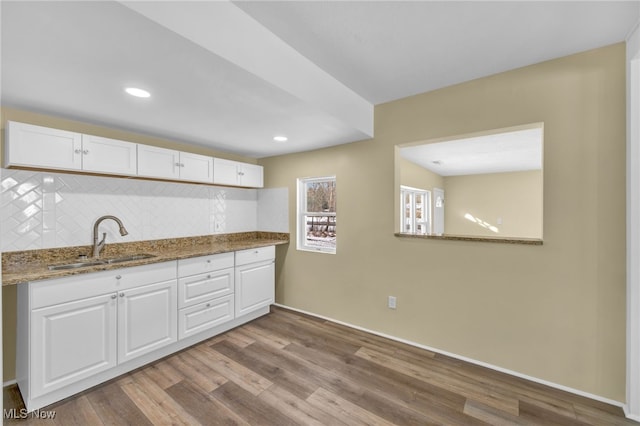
x=98 y=246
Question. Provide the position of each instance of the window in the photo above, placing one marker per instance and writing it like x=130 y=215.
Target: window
x=317 y=214
x=415 y=211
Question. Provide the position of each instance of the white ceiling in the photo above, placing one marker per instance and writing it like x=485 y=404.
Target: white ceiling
x=233 y=75
x=506 y=151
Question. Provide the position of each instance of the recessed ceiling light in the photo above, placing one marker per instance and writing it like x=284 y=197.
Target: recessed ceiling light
x=138 y=93
x=280 y=138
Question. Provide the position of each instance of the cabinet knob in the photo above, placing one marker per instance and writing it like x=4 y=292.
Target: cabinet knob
x=121 y=294
x=208 y=260
x=209 y=276
x=77 y=151
x=85 y=152
x=208 y=305
x=118 y=277
x=113 y=296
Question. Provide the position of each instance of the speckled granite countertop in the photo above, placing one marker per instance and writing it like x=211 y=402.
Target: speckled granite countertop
x=32 y=265
x=501 y=240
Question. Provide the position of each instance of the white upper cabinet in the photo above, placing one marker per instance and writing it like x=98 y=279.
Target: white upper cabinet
x=28 y=145
x=103 y=155
x=235 y=173
x=158 y=162
x=195 y=167
x=42 y=147
x=37 y=146
x=176 y=165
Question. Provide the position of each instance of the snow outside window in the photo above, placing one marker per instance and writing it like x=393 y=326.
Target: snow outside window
x=317 y=214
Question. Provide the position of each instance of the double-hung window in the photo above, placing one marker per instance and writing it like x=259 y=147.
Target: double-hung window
x=415 y=210
x=317 y=214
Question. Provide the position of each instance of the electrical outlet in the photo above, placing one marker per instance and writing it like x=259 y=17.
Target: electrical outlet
x=391 y=303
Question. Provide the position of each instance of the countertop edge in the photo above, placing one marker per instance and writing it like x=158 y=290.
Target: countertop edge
x=14 y=274
x=499 y=240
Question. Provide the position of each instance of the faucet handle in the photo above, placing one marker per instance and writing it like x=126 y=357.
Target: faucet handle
x=104 y=237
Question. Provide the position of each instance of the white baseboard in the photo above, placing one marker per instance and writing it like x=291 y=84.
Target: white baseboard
x=629 y=415
x=470 y=360
x=9 y=383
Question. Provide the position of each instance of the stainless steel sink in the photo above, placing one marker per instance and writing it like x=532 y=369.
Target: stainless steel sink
x=76 y=265
x=129 y=258
x=84 y=263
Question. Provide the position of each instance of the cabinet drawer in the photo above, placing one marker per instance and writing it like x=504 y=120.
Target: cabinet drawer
x=206 y=315
x=76 y=287
x=199 y=288
x=202 y=264
x=259 y=254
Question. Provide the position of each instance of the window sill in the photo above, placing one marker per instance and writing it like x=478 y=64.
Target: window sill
x=316 y=250
x=501 y=240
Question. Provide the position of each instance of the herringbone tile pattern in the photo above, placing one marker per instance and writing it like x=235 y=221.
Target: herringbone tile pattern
x=44 y=210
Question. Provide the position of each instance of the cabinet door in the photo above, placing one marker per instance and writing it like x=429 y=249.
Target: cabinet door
x=37 y=146
x=158 y=162
x=147 y=319
x=206 y=315
x=72 y=341
x=111 y=156
x=251 y=175
x=254 y=286
x=225 y=172
x=195 y=167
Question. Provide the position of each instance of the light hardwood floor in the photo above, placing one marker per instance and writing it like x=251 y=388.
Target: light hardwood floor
x=290 y=369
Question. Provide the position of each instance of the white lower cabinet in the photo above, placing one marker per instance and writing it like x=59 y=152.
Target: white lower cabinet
x=205 y=293
x=78 y=331
x=255 y=279
x=74 y=328
x=75 y=340
x=146 y=319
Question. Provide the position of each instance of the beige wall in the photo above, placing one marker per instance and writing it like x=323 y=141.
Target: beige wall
x=9 y=295
x=516 y=198
x=418 y=177
x=556 y=311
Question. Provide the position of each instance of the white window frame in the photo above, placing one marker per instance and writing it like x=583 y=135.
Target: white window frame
x=426 y=222
x=302 y=214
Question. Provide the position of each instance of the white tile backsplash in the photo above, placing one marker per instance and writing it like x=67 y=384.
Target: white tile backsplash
x=273 y=207
x=44 y=210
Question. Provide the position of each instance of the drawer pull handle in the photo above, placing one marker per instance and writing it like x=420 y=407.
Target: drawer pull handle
x=118 y=277
x=121 y=294
x=113 y=296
